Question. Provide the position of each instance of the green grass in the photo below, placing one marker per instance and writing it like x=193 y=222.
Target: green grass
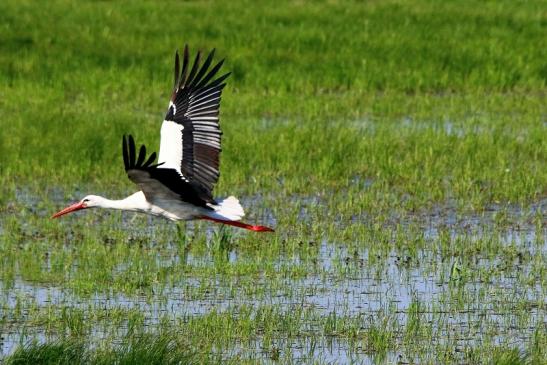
x=146 y=349
x=307 y=83
x=398 y=147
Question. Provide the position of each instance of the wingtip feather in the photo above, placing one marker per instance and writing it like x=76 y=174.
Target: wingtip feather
x=142 y=156
x=177 y=69
x=124 y=152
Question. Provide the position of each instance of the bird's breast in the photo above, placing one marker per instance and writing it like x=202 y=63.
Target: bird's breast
x=175 y=210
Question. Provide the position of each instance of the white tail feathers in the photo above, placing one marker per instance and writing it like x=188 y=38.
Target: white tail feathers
x=228 y=209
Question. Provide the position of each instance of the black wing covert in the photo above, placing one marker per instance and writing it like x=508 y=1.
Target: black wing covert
x=153 y=180
x=195 y=104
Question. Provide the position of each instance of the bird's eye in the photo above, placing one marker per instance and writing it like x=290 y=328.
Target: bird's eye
x=86 y=200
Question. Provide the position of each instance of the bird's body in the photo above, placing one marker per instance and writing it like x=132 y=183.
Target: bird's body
x=179 y=186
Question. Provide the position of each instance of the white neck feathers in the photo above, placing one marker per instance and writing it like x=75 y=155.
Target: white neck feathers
x=134 y=202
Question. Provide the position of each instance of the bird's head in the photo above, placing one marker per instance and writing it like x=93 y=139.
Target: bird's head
x=89 y=201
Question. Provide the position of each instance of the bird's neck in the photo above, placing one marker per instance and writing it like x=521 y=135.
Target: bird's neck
x=113 y=204
x=133 y=202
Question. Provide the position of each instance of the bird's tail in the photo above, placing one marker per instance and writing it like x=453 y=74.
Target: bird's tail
x=228 y=209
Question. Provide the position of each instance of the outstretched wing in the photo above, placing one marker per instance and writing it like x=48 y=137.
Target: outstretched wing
x=190 y=133
x=155 y=182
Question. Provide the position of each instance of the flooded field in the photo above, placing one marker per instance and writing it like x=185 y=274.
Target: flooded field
x=414 y=288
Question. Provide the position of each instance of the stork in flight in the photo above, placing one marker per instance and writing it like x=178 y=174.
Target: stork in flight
x=180 y=185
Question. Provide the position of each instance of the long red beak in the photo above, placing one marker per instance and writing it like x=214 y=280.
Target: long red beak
x=74 y=207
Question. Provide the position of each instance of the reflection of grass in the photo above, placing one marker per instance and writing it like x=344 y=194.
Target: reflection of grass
x=376 y=136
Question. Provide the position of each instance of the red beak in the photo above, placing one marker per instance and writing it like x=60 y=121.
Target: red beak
x=74 y=207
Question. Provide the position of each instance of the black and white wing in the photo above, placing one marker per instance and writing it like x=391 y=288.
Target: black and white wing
x=190 y=133
x=155 y=181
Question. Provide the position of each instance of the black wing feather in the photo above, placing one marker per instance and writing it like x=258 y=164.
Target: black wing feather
x=210 y=75
x=131 y=150
x=177 y=69
x=203 y=69
x=195 y=68
x=151 y=159
x=184 y=66
x=142 y=155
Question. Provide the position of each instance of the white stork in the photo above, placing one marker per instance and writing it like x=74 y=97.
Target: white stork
x=180 y=185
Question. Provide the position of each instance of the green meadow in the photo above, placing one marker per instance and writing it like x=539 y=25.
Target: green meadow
x=397 y=147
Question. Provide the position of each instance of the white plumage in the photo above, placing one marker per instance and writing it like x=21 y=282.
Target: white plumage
x=171 y=145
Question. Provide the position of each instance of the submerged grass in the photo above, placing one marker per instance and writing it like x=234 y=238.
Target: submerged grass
x=397 y=147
